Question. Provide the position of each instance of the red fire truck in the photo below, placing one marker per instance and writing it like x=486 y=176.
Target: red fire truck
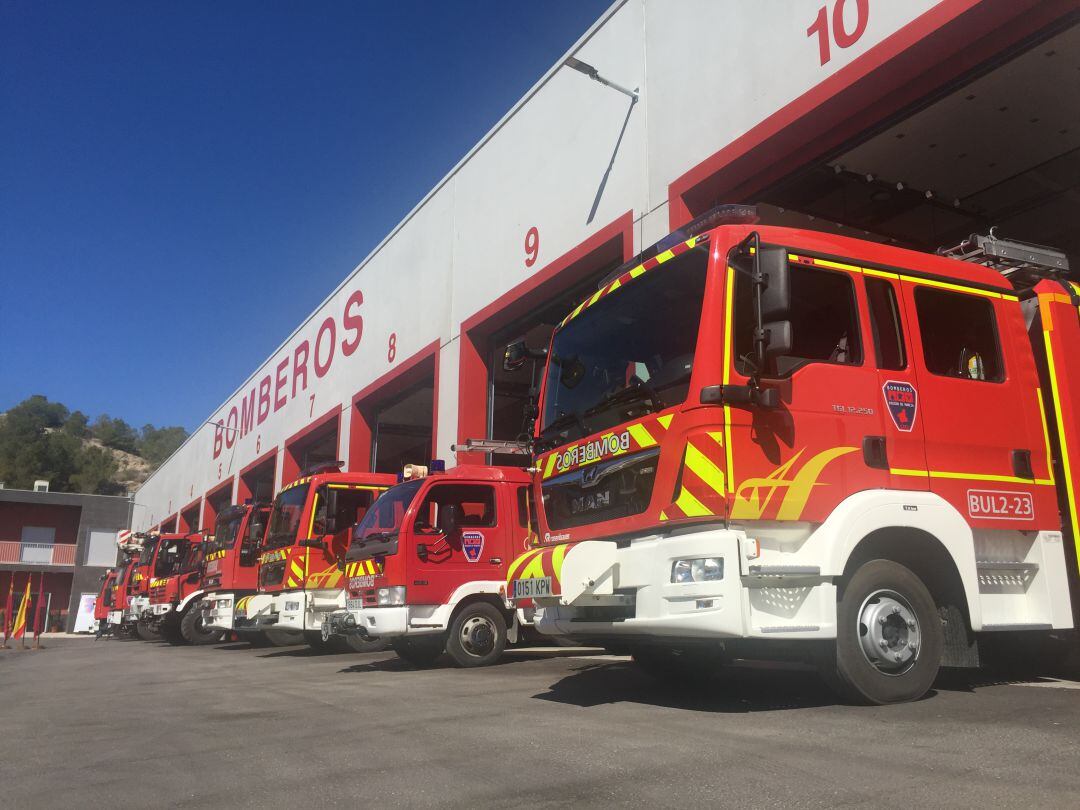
x=231 y=562
x=299 y=578
x=427 y=565
x=175 y=588
x=124 y=616
x=105 y=600
x=762 y=441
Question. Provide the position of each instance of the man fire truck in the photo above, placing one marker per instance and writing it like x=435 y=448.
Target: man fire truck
x=299 y=575
x=763 y=441
x=231 y=563
x=175 y=588
x=427 y=565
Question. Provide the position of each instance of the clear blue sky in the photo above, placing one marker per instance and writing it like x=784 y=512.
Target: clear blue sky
x=182 y=183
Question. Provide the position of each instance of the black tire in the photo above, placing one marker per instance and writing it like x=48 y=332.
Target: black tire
x=256 y=638
x=192 y=628
x=477 y=635
x=421 y=651
x=697 y=666
x=143 y=631
x=884 y=606
x=359 y=644
x=314 y=639
x=172 y=632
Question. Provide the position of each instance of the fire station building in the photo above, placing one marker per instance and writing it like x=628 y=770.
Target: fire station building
x=914 y=123
x=69 y=538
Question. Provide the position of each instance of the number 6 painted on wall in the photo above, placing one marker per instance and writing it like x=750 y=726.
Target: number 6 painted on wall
x=532 y=246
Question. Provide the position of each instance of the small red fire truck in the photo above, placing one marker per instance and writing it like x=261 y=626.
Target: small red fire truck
x=299 y=578
x=123 y=616
x=427 y=565
x=231 y=562
x=761 y=441
x=105 y=600
x=175 y=588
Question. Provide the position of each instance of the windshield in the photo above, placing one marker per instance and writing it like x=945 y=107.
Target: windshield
x=225 y=532
x=627 y=355
x=385 y=516
x=285 y=519
x=167 y=557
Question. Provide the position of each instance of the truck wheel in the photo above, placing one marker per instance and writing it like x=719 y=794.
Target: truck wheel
x=889 y=639
x=194 y=630
x=284 y=638
x=172 y=632
x=143 y=631
x=477 y=635
x=314 y=640
x=421 y=651
x=256 y=638
x=365 y=645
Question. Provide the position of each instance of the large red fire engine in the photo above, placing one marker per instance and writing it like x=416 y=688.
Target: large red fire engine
x=231 y=562
x=175 y=588
x=124 y=615
x=427 y=565
x=761 y=440
x=299 y=579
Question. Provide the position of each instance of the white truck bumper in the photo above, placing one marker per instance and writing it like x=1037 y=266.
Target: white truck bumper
x=305 y=610
x=628 y=592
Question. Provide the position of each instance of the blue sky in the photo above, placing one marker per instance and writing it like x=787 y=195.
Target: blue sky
x=182 y=183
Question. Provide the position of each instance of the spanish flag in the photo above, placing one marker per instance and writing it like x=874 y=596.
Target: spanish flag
x=20 y=617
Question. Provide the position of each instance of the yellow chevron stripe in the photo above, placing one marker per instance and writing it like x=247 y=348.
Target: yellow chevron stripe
x=717 y=436
x=520 y=563
x=557 y=557
x=690 y=505
x=550 y=465
x=641 y=435
x=534 y=569
x=705 y=469
x=665 y=420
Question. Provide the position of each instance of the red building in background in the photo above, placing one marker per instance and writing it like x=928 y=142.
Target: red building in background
x=70 y=538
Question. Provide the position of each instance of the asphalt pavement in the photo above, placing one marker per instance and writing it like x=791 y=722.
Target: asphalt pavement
x=121 y=724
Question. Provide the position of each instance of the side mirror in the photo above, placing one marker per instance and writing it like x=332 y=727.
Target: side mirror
x=515 y=355
x=778 y=339
x=449 y=519
x=776 y=283
x=331 y=510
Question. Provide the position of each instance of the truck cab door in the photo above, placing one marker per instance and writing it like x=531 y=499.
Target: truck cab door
x=448 y=556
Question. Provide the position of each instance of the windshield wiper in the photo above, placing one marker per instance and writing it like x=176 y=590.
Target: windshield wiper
x=565 y=420
x=375 y=536
x=637 y=389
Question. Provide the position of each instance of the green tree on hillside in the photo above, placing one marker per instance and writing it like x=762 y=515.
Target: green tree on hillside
x=44 y=440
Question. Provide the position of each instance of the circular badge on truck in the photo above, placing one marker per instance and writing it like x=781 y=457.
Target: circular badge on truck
x=472 y=545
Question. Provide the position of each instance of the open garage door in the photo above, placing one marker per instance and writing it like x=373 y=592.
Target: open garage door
x=216 y=500
x=403 y=429
x=257 y=480
x=1000 y=147
x=316 y=444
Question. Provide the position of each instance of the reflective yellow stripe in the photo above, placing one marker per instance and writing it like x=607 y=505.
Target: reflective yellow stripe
x=550 y=465
x=517 y=564
x=914 y=473
x=663 y=257
x=837 y=265
x=729 y=303
x=870 y=271
x=641 y=435
x=690 y=505
x=1066 y=465
x=557 y=557
x=665 y=420
x=1046 y=435
x=969 y=476
x=704 y=468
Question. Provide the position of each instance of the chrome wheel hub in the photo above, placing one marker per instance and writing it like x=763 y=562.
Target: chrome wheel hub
x=478 y=636
x=889 y=632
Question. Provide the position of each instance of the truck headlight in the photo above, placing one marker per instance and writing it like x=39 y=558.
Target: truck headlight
x=292 y=607
x=707 y=569
x=391 y=596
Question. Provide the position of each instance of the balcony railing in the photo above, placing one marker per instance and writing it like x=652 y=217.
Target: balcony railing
x=12 y=552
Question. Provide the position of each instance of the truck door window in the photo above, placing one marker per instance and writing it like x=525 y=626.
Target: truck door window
x=824 y=321
x=885 y=325
x=959 y=335
x=475 y=503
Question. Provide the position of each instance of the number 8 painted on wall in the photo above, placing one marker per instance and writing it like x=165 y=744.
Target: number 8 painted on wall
x=532 y=246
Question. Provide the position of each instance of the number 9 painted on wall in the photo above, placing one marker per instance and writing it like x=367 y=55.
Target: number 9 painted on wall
x=532 y=246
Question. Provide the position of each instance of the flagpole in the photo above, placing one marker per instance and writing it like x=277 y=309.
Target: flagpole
x=37 y=612
x=7 y=610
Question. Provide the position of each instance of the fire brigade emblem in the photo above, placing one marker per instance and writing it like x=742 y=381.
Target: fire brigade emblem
x=903 y=402
x=472 y=545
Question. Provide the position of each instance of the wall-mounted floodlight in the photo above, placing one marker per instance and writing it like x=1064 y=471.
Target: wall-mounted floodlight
x=594 y=74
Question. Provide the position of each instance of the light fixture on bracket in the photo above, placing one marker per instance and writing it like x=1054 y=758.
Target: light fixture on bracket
x=594 y=74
